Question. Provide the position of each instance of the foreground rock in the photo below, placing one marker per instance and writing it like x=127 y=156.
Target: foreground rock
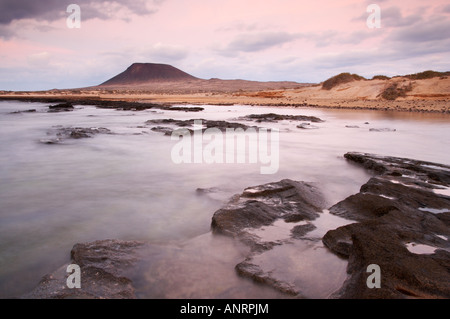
x=403 y=226
x=62 y=107
x=104 y=268
x=288 y=201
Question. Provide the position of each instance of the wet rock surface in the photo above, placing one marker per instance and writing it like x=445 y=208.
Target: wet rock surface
x=161 y=125
x=64 y=104
x=384 y=129
x=104 y=269
x=60 y=134
x=62 y=107
x=261 y=206
x=395 y=209
x=272 y=117
x=26 y=111
x=185 y=109
x=307 y=126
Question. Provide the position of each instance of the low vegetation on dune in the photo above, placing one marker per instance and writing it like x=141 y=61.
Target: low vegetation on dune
x=340 y=79
x=381 y=77
x=394 y=91
x=427 y=75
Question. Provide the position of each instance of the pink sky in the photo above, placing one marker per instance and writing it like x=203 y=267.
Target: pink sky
x=304 y=41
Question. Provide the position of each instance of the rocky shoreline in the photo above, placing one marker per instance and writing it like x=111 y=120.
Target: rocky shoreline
x=400 y=221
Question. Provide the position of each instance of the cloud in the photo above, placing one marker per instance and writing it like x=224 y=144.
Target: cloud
x=41 y=59
x=166 y=52
x=51 y=10
x=259 y=41
x=392 y=17
x=435 y=29
x=446 y=9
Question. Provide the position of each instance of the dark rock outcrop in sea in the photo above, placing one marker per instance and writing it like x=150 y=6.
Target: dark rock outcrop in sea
x=60 y=134
x=398 y=209
x=62 y=107
x=161 y=125
x=104 y=269
x=263 y=205
x=26 y=111
x=307 y=126
x=400 y=221
x=384 y=129
x=272 y=117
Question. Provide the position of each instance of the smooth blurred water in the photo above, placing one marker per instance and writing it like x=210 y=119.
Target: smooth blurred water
x=125 y=186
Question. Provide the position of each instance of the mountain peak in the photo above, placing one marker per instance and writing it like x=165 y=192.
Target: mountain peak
x=141 y=73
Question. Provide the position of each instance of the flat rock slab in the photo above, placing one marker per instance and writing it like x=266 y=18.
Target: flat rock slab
x=272 y=117
x=396 y=210
x=160 y=125
x=262 y=206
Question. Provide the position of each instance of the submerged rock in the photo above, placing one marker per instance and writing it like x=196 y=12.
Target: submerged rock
x=386 y=129
x=185 y=109
x=391 y=214
x=104 y=268
x=26 y=111
x=163 y=129
x=307 y=126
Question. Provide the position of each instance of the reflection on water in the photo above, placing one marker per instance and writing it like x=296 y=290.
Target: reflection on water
x=125 y=186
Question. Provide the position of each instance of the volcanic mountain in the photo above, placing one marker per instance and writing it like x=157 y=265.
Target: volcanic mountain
x=141 y=73
x=164 y=78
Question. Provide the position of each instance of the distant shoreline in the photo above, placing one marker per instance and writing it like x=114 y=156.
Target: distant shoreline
x=248 y=98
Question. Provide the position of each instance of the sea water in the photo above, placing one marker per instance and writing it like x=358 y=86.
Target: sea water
x=125 y=186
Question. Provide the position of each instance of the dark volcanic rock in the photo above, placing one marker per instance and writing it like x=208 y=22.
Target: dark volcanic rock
x=63 y=133
x=62 y=107
x=301 y=230
x=185 y=109
x=207 y=124
x=386 y=129
x=261 y=206
x=395 y=212
x=139 y=73
x=272 y=117
x=163 y=129
x=104 y=268
x=307 y=126
x=26 y=111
